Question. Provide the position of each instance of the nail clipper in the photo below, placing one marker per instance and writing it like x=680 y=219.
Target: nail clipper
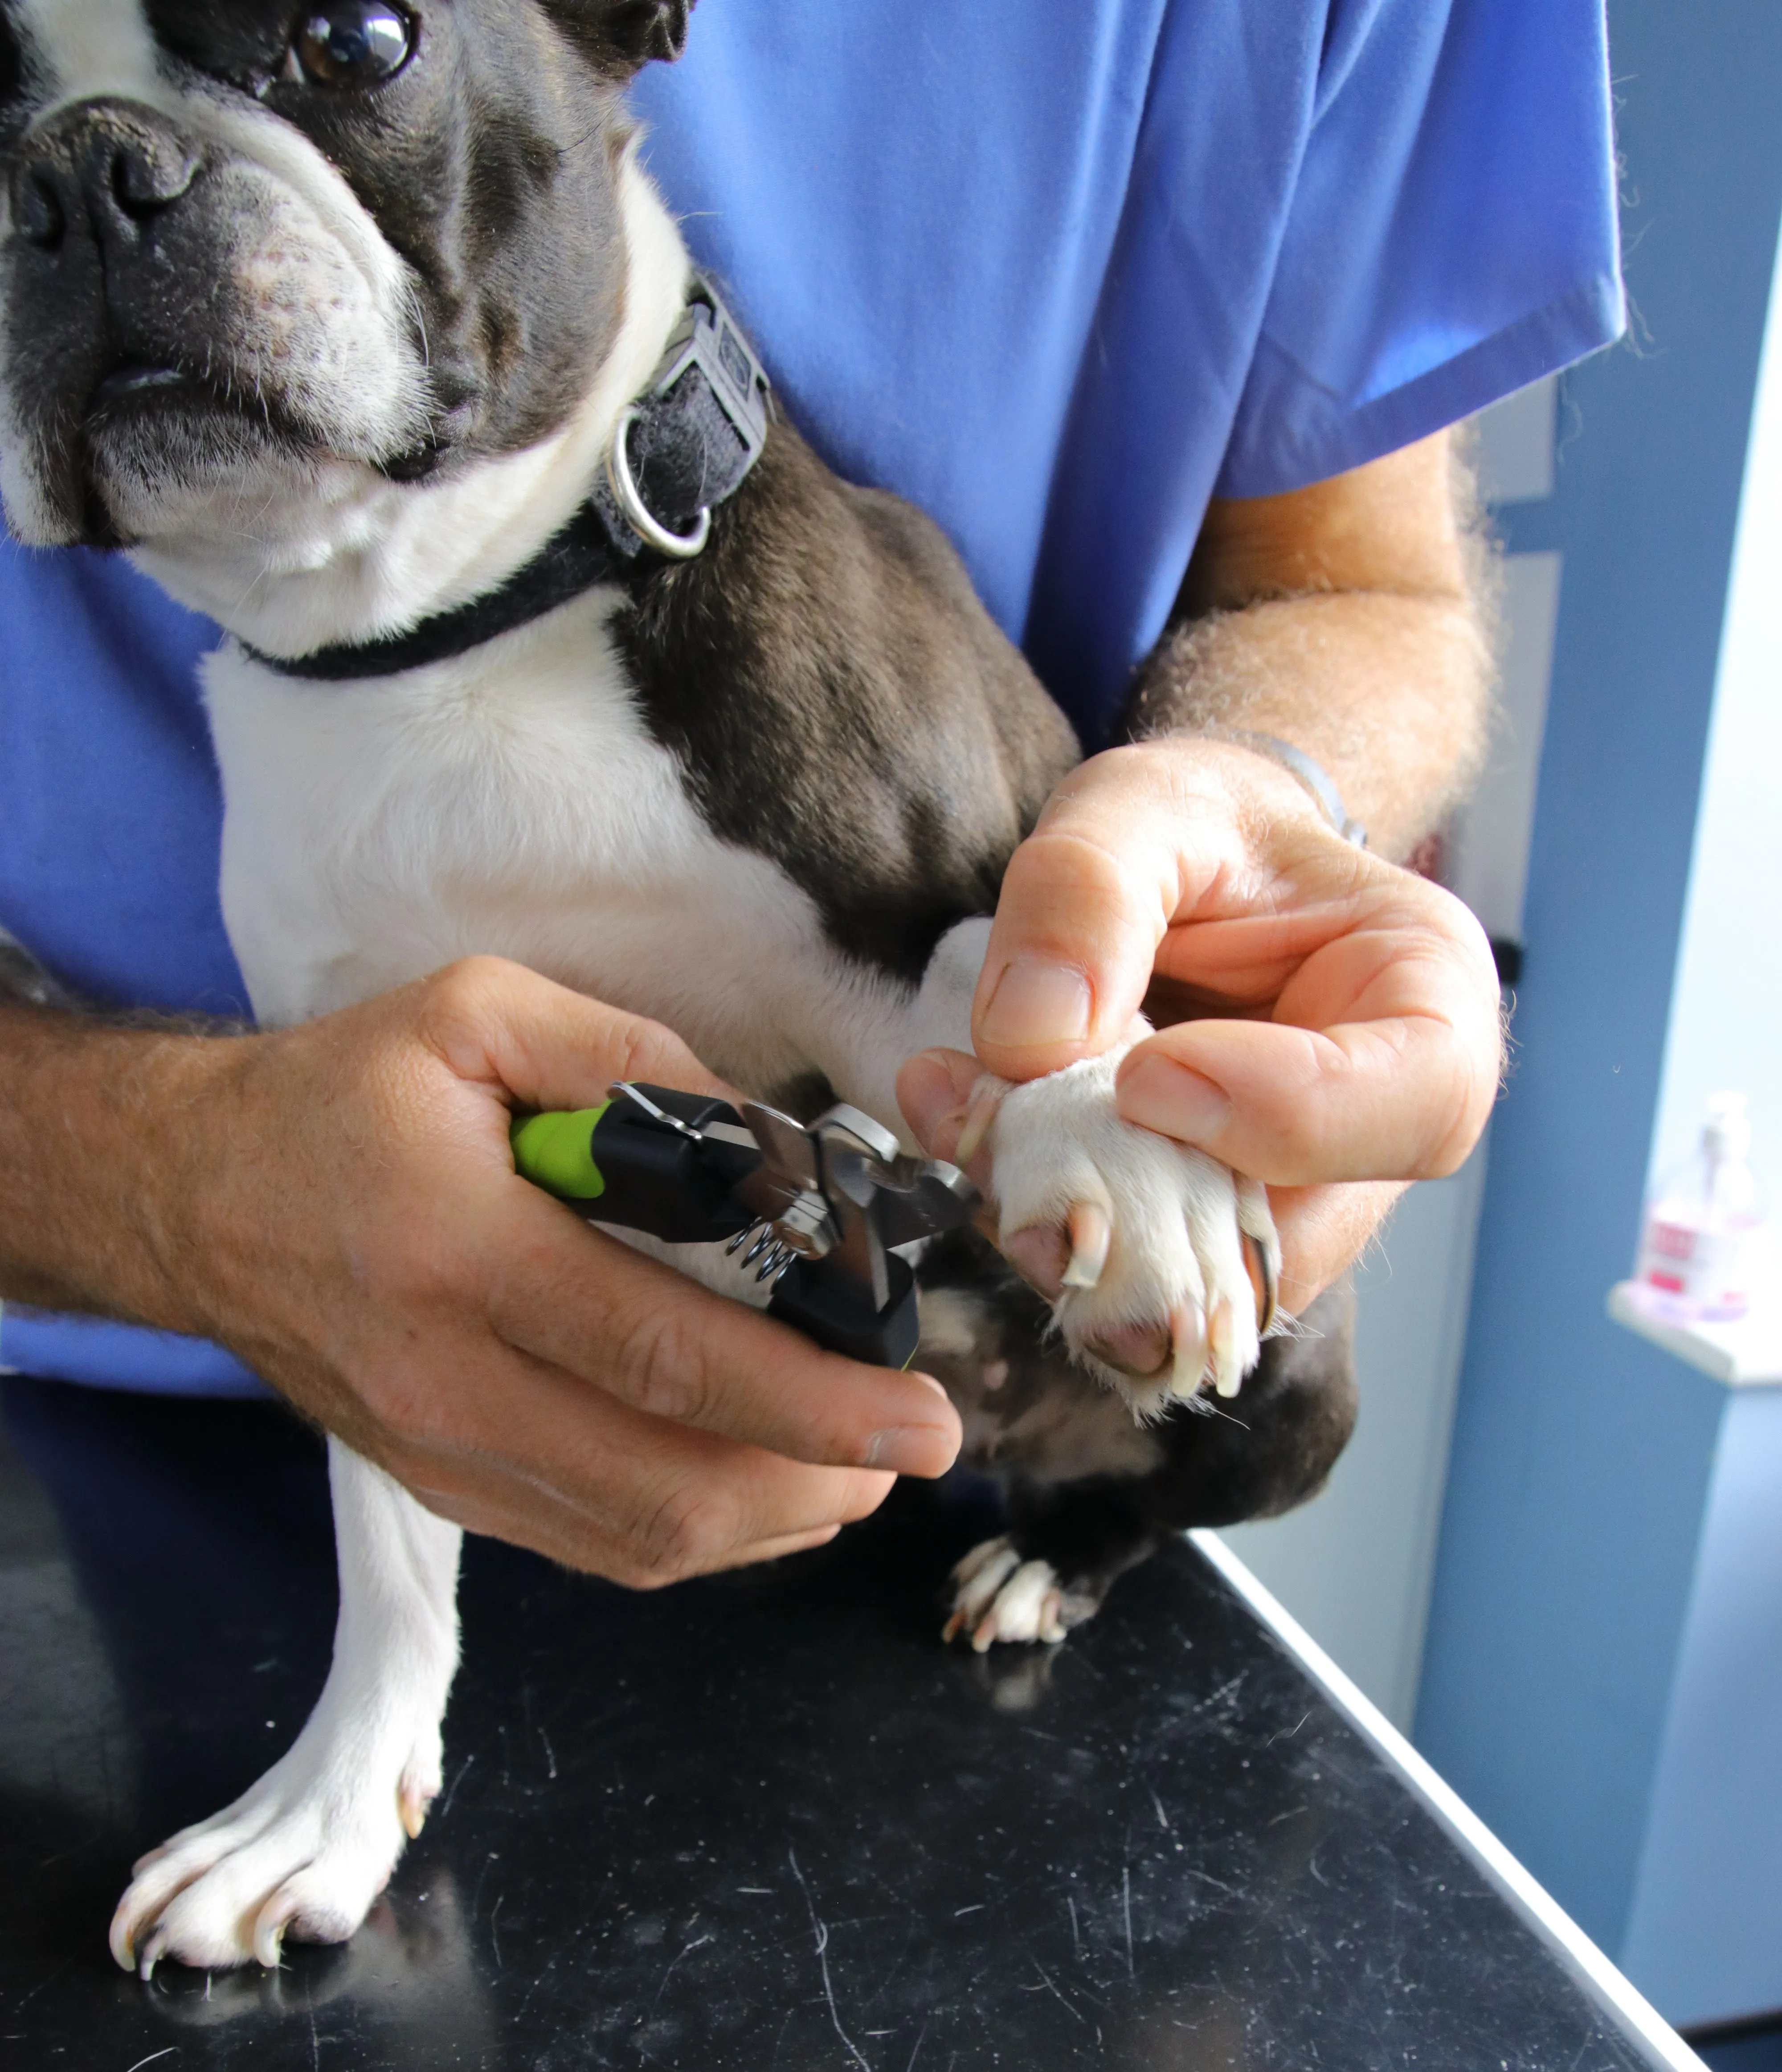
x=818 y=1210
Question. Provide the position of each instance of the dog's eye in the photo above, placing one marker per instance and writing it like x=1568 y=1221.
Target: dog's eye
x=353 y=42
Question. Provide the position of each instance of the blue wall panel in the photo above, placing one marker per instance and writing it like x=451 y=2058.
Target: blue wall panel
x=1581 y=1457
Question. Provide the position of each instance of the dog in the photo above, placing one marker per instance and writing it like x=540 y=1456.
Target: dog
x=764 y=792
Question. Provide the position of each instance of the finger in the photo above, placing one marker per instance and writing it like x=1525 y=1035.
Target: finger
x=1399 y=1099
x=933 y=1088
x=936 y=1090
x=644 y=1333
x=499 y=1024
x=1085 y=901
x=1132 y=840
x=1323 y=1231
x=1381 y=1062
x=550 y=1526
x=625 y=1495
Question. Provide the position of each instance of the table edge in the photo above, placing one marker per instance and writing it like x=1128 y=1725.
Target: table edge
x=1549 y=1921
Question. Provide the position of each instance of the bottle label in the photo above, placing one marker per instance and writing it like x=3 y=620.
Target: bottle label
x=1709 y=1272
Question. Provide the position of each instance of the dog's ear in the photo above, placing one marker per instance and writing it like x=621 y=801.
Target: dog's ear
x=624 y=35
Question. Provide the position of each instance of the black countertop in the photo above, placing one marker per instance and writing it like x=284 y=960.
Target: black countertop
x=765 y=1823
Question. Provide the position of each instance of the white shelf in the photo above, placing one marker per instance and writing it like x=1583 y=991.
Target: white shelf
x=1746 y=1354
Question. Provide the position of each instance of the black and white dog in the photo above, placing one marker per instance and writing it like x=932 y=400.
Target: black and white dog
x=328 y=314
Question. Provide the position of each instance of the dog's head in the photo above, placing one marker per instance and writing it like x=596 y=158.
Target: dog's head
x=246 y=245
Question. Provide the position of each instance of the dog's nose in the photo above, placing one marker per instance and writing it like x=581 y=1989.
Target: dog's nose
x=108 y=166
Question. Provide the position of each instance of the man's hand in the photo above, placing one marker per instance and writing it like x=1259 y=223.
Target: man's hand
x=338 y=1204
x=1349 y=1020
x=1346 y=1025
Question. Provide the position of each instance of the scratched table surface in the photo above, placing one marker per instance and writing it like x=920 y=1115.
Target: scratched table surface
x=765 y=1823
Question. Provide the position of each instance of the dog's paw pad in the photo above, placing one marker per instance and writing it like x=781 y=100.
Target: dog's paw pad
x=1160 y=1264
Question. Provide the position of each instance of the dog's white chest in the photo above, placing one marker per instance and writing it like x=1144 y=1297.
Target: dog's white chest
x=510 y=802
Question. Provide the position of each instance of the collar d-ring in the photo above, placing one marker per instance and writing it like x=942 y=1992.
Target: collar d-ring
x=677 y=546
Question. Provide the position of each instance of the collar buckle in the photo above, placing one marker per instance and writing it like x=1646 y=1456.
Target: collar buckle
x=709 y=353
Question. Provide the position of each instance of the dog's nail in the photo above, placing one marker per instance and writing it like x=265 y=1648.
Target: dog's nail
x=980 y=1107
x=1092 y=1232
x=1188 y=1343
x=269 y=1931
x=1260 y=1267
x=122 y=1938
x=953 y=1627
x=985 y=1635
x=412 y=1803
x=1220 y=1349
x=153 y=1952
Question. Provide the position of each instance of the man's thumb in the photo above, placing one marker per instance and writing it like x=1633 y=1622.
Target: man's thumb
x=1070 y=955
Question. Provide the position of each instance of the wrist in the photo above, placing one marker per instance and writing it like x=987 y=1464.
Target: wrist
x=188 y=1220
x=1240 y=781
x=99 y=1168
x=1310 y=775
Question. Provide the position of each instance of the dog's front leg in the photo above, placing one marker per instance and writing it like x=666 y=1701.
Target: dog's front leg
x=305 y=1851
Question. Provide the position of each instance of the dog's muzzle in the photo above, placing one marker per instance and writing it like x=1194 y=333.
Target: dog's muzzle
x=102 y=271
x=178 y=318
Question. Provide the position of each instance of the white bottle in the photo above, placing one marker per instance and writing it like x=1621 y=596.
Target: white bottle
x=1704 y=1244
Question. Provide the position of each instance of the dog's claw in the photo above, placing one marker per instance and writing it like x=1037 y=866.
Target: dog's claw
x=413 y=1802
x=1092 y=1233
x=977 y=1580
x=1189 y=1341
x=152 y=1951
x=269 y=1931
x=1264 y=1283
x=985 y=1098
x=1221 y=1349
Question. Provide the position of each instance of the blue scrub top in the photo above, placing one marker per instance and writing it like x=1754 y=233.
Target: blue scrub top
x=1057 y=270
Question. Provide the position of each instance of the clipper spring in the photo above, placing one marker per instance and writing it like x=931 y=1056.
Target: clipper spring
x=774 y=1254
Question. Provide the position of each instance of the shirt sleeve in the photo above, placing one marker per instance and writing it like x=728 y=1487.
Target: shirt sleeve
x=1451 y=235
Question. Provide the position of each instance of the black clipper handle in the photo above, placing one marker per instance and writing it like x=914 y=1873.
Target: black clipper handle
x=825 y=1305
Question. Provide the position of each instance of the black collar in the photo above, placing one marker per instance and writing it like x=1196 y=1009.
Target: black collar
x=680 y=450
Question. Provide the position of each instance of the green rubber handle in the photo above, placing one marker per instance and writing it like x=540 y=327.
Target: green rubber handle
x=556 y=1153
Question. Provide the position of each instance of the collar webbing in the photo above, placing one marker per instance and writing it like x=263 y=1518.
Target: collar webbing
x=690 y=440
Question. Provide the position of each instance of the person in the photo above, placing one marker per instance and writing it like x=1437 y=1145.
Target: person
x=1163 y=310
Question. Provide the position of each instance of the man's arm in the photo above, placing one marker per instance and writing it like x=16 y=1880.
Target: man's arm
x=1348 y=1027
x=337 y=1204
x=1351 y=619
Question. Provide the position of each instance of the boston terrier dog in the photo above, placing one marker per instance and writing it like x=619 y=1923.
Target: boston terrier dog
x=347 y=322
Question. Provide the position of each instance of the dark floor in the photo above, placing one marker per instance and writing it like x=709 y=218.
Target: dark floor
x=765 y=1824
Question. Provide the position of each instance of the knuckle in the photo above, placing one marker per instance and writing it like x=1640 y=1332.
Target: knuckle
x=696 y=1526
x=667 y=1373
x=462 y=982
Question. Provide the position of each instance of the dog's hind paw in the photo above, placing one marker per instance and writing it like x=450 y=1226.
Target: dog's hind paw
x=997 y=1595
x=302 y=1854
x=1160 y=1263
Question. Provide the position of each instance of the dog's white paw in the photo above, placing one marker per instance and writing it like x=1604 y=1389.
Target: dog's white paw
x=997 y=1595
x=303 y=1854
x=1160 y=1263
